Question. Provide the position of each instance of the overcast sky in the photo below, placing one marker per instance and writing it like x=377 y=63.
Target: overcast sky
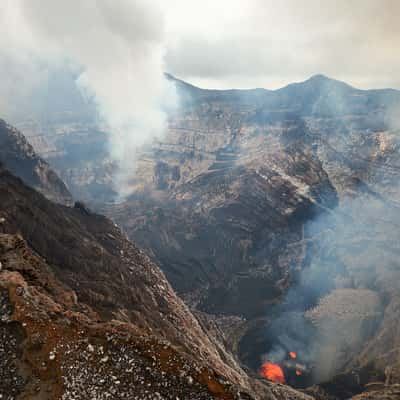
x=223 y=43
x=269 y=43
x=120 y=49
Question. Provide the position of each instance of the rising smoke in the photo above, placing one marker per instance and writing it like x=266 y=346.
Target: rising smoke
x=117 y=47
x=335 y=304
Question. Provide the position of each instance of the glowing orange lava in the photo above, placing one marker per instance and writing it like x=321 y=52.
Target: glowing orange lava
x=273 y=372
x=298 y=373
x=292 y=354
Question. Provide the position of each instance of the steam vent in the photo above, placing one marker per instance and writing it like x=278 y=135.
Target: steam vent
x=172 y=230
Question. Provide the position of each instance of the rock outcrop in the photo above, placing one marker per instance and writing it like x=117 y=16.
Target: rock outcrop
x=18 y=156
x=247 y=190
x=86 y=314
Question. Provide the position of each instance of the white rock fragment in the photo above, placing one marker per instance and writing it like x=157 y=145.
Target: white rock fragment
x=90 y=348
x=104 y=359
x=52 y=356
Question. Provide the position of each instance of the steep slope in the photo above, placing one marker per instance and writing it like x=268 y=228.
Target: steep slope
x=20 y=158
x=238 y=176
x=259 y=204
x=225 y=237
x=85 y=314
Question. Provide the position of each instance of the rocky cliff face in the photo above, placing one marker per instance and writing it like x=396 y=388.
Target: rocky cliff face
x=248 y=190
x=235 y=196
x=19 y=157
x=86 y=314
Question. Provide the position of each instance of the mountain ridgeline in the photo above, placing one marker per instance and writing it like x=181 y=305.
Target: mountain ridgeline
x=269 y=212
x=85 y=314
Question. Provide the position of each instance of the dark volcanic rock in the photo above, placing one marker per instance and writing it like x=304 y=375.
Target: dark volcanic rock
x=224 y=202
x=18 y=156
x=225 y=240
x=86 y=314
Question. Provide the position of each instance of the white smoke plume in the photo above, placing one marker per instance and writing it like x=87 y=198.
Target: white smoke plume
x=118 y=47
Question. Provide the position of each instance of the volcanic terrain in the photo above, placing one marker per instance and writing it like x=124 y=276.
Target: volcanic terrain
x=273 y=214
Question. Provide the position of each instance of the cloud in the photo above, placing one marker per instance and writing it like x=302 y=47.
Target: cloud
x=269 y=44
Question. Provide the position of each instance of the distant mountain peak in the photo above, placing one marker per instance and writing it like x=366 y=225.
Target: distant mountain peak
x=319 y=82
x=319 y=77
